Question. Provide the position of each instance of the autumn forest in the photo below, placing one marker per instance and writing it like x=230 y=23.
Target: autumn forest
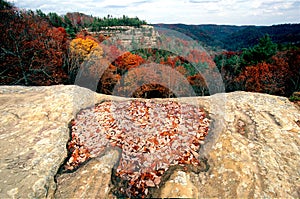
x=39 y=49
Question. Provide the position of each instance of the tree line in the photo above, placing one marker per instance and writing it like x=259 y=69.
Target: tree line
x=39 y=49
x=266 y=67
x=74 y=22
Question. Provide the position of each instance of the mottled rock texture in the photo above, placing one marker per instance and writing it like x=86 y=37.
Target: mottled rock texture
x=257 y=151
x=33 y=136
x=179 y=185
x=92 y=180
x=253 y=148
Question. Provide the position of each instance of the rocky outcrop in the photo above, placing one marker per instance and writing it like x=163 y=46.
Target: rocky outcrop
x=33 y=136
x=92 y=180
x=252 y=150
x=179 y=185
x=131 y=37
x=296 y=94
x=257 y=153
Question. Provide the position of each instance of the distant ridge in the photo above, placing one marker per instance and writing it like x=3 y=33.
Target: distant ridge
x=231 y=37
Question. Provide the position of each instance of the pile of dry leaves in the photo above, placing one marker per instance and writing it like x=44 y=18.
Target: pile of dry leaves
x=153 y=136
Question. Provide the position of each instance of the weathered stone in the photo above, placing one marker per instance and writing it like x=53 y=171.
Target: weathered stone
x=253 y=148
x=179 y=186
x=131 y=37
x=296 y=94
x=33 y=136
x=257 y=153
x=93 y=180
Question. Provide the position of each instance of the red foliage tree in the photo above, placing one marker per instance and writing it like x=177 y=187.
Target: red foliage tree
x=79 y=19
x=198 y=83
x=153 y=91
x=31 y=50
x=111 y=52
x=171 y=61
x=181 y=70
x=108 y=80
x=266 y=77
x=198 y=56
x=293 y=81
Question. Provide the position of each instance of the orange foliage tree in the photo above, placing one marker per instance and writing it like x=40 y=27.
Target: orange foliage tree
x=119 y=67
x=128 y=61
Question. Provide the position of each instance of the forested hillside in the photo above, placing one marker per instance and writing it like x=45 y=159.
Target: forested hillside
x=39 y=49
x=230 y=37
x=266 y=67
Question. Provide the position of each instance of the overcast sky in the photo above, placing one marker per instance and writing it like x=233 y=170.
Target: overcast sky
x=232 y=12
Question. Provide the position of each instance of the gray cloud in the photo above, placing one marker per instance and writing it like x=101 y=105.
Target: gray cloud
x=276 y=5
x=238 y=12
x=140 y=3
x=204 y=1
x=114 y=6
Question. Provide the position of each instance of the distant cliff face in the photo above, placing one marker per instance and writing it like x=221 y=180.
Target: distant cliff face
x=252 y=149
x=130 y=36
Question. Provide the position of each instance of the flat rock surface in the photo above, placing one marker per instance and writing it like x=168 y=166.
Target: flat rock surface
x=253 y=148
x=33 y=136
x=179 y=185
x=257 y=153
x=92 y=180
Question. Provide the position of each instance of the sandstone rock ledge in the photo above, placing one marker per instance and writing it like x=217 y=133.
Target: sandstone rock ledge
x=253 y=150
